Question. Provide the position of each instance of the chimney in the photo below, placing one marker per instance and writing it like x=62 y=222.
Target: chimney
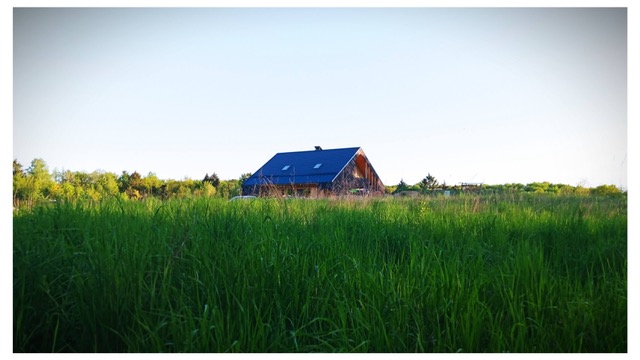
x=318 y=148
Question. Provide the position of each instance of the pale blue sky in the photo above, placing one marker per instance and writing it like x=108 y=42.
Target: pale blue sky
x=469 y=95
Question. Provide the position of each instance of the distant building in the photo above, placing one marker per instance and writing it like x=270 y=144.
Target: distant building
x=315 y=173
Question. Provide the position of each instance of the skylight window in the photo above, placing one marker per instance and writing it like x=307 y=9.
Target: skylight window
x=317 y=166
x=286 y=167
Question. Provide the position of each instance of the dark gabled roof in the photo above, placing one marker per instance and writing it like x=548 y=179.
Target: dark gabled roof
x=302 y=167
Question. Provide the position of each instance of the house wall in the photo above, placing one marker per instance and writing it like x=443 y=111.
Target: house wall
x=295 y=190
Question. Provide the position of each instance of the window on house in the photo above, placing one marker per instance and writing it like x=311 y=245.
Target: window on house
x=286 y=167
x=317 y=166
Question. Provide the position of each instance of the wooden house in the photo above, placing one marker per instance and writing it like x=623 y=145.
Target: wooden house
x=315 y=173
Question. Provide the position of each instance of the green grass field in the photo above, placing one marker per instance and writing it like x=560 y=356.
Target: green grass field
x=523 y=273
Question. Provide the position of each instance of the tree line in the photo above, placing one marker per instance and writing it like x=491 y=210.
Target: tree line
x=429 y=185
x=36 y=183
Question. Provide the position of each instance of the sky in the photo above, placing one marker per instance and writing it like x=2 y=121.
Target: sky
x=486 y=95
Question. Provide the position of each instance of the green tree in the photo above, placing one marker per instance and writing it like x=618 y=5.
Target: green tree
x=428 y=183
x=606 y=190
x=514 y=187
x=54 y=190
x=229 y=188
x=581 y=190
x=68 y=191
x=213 y=179
x=209 y=190
x=64 y=177
x=565 y=189
x=244 y=177
x=402 y=186
x=135 y=181
x=131 y=185
x=17 y=168
x=537 y=187
x=106 y=184
x=152 y=184
x=38 y=180
x=124 y=182
x=82 y=179
x=19 y=183
x=171 y=188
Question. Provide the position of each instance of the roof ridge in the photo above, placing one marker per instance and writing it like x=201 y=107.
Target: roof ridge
x=323 y=150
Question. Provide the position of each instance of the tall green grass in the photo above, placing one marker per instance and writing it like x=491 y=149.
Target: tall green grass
x=463 y=274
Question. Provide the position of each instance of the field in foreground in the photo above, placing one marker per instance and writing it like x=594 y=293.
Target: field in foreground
x=464 y=274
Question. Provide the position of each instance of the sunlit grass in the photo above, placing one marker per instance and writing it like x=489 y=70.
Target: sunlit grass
x=468 y=274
